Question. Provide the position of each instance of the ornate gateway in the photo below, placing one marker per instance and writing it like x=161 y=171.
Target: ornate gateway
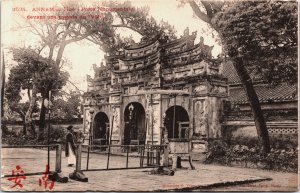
x=146 y=81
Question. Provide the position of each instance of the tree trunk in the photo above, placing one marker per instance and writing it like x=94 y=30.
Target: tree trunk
x=22 y=115
x=28 y=116
x=261 y=127
x=60 y=54
x=24 y=126
x=51 y=53
x=42 y=121
x=2 y=85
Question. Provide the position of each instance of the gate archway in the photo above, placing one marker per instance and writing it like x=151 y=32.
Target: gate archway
x=100 y=129
x=135 y=124
x=175 y=115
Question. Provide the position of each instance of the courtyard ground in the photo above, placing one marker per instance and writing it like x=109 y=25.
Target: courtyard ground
x=204 y=178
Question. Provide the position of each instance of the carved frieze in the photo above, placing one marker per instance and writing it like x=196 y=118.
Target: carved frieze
x=218 y=89
x=133 y=90
x=87 y=101
x=115 y=88
x=213 y=71
x=200 y=116
x=102 y=100
x=198 y=70
x=182 y=73
x=115 y=98
x=201 y=89
x=186 y=89
x=116 y=123
x=87 y=120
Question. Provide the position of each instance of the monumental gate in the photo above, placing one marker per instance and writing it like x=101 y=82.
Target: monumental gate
x=158 y=80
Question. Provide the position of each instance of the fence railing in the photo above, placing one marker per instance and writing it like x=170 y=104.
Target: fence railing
x=58 y=157
x=152 y=154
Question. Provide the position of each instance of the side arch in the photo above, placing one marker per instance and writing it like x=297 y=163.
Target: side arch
x=173 y=116
x=100 y=128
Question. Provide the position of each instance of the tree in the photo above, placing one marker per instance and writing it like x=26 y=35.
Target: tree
x=266 y=33
x=34 y=74
x=257 y=35
x=21 y=109
x=69 y=108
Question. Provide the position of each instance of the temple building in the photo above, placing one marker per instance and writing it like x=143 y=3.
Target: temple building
x=279 y=104
x=157 y=83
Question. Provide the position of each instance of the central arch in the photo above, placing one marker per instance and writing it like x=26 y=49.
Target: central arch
x=135 y=124
x=100 y=129
x=175 y=115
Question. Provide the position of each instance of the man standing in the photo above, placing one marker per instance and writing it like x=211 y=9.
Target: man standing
x=70 y=146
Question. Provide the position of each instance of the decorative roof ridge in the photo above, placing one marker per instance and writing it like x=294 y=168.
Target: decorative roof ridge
x=139 y=57
x=194 y=47
x=181 y=39
x=133 y=69
x=142 y=44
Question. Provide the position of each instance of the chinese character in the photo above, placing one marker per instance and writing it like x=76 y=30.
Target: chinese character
x=45 y=179
x=18 y=175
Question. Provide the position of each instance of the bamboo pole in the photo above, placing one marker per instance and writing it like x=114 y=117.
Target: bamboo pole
x=111 y=132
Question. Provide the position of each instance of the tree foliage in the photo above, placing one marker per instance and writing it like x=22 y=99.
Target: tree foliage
x=264 y=34
x=34 y=69
x=34 y=74
x=67 y=108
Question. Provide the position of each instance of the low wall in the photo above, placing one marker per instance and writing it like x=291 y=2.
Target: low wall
x=17 y=128
x=237 y=129
x=248 y=127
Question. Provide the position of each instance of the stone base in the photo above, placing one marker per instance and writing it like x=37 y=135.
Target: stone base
x=199 y=146
x=78 y=176
x=161 y=170
x=56 y=177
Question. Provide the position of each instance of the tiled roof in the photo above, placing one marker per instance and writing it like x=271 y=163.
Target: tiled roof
x=266 y=93
x=230 y=73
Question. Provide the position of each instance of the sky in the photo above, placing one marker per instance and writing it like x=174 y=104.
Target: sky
x=82 y=55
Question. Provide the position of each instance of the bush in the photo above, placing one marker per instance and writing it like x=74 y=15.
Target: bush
x=4 y=130
x=283 y=155
x=284 y=141
x=217 y=149
x=18 y=140
x=57 y=135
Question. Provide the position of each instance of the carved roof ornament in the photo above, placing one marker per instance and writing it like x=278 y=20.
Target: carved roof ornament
x=201 y=43
x=148 y=61
x=164 y=38
x=158 y=69
x=186 y=32
x=194 y=34
x=129 y=42
x=94 y=67
x=88 y=78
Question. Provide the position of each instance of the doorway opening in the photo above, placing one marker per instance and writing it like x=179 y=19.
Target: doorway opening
x=101 y=129
x=175 y=117
x=135 y=124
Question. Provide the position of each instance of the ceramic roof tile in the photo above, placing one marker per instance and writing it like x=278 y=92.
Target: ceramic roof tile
x=266 y=93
